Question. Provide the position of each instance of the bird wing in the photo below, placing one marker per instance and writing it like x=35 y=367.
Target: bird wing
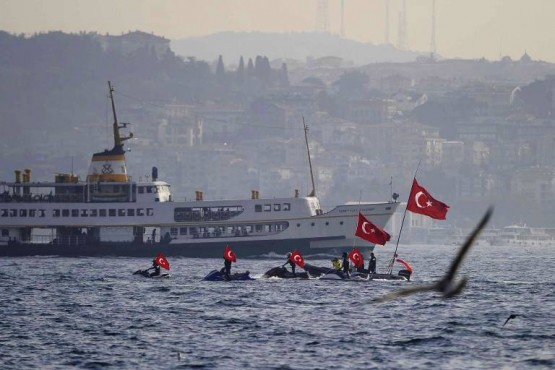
x=467 y=244
x=405 y=292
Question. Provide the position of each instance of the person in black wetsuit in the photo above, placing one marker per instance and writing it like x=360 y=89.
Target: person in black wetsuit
x=291 y=263
x=227 y=269
x=346 y=263
x=372 y=264
x=156 y=268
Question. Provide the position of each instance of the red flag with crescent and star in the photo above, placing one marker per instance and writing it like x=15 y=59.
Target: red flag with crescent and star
x=229 y=254
x=162 y=261
x=356 y=257
x=368 y=231
x=297 y=258
x=420 y=201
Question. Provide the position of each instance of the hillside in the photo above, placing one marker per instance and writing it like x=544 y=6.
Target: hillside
x=298 y=46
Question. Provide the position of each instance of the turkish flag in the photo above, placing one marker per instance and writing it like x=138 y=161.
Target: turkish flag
x=229 y=254
x=356 y=257
x=370 y=232
x=297 y=258
x=162 y=261
x=420 y=201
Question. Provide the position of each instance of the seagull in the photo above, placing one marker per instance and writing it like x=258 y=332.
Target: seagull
x=447 y=286
x=513 y=316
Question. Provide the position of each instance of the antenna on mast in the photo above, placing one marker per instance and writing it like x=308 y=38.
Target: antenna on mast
x=313 y=192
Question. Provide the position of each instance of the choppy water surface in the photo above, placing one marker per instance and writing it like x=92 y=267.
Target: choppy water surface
x=93 y=313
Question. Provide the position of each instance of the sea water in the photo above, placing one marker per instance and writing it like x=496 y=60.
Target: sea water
x=93 y=313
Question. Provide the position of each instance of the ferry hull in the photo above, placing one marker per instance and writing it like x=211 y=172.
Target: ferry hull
x=244 y=249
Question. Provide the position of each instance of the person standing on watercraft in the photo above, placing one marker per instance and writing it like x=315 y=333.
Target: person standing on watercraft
x=291 y=263
x=372 y=264
x=345 y=263
x=227 y=268
x=229 y=256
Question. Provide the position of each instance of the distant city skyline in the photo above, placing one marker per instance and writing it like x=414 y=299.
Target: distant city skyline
x=463 y=28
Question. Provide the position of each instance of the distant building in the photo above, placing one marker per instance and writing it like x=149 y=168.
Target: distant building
x=133 y=41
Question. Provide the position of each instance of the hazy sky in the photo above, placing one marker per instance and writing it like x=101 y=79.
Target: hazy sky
x=464 y=28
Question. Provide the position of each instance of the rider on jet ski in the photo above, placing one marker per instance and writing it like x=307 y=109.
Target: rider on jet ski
x=291 y=263
x=156 y=268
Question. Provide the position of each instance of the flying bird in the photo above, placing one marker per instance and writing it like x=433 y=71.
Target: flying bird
x=513 y=316
x=447 y=286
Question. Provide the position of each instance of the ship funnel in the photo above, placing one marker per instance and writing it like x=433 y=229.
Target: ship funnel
x=154 y=173
x=109 y=166
x=17 y=176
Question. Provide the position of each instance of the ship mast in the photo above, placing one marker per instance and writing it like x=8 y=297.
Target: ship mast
x=313 y=192
x=118 y=140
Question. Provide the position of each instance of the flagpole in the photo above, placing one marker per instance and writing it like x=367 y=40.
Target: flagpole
x=356 y=224
x=390 y=268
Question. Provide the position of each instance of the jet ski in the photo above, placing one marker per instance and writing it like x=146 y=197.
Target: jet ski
x=316 y=271
x=216 y=275
x=334 y=274
x=283 y=273
x=146 y=273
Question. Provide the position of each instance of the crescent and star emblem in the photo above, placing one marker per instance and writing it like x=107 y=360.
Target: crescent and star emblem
x=297 y=258
x=363 y=227
x=417 y=200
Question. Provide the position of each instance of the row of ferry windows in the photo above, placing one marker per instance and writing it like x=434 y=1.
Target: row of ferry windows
x=268 y=207
x=111 y=212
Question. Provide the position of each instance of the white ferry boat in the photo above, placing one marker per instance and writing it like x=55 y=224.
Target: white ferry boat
x=111 y=215
x=524 y=236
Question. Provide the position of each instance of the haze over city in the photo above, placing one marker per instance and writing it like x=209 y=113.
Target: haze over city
x=466 y=29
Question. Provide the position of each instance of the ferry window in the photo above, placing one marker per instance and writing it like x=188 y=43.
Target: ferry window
x=277 y=207
x=93 y=212
x=65 y=212
x=130 y=211
x=388 y=208
x=182 y=231
x=149 y=211
x=74 y=213
x=56 y=213
x=141 y=189
x=42 y=213
x=112 y=212
x=267 y=207
x=32 y=213
x=327 y=223
x=341 y=223
x=140 y=212
x=298 y=225
x=102 y=212
x=84 y=213
x=13 y=212
x=149 y=189
x=22 y=213
x=312 y=224
x=121 y=212
x=173 y=230
x=3 y=213
x=286 y=206
x=258 y=208
x=5 y=232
